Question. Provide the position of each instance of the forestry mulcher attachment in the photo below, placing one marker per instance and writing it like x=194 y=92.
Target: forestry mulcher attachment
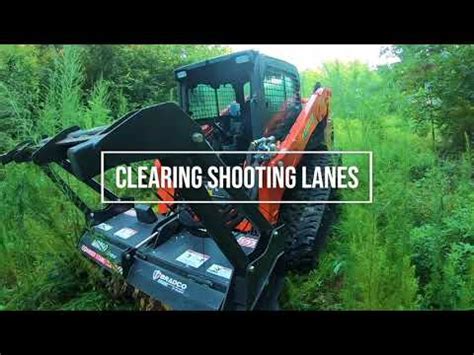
x=204 y=256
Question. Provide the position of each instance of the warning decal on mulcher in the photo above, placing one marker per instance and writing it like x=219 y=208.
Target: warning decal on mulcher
x=103 y=248
x=126 y=233
x=104 y=226
x=100 y=245
x=100 y=259
x=131 y=212
x=193 y=258
x=247 y=242
x=220 y=270
x=168 y=281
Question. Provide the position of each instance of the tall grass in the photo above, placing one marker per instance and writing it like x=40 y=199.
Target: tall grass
x=63 y=105
x=40 y=267
x=413 y=247
x=379 y=273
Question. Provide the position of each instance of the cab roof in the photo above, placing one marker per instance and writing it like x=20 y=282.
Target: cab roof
x=228 y=62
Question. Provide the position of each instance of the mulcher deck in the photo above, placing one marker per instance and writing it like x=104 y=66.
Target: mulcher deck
x=183 y=271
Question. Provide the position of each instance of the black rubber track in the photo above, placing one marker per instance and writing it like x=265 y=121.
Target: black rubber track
x=306 y=225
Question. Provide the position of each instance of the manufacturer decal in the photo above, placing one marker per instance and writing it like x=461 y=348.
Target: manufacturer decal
x=220 y=270
x=169 y=282
x=247 y=242
x=103 y=248
x=100 y=259
x=312 y=121
x=100 y=245
x=125 y=233
x=193 y=258
x=104 y=226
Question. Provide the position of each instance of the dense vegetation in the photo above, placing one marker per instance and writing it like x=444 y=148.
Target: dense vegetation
x=412 y=249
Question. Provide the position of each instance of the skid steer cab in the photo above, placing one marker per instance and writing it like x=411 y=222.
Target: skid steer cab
x=200 y=256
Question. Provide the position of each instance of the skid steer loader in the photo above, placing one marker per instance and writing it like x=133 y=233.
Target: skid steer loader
x=204 y=256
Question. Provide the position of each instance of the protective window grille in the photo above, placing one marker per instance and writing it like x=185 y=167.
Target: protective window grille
x=291 y=92
x=247 y=91
x=207 y=102
x=274 y=91
x=226 y=95
x=279 y=88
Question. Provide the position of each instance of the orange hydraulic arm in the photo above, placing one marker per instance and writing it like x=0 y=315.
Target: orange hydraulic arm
x=315 y=110
x=166 y=194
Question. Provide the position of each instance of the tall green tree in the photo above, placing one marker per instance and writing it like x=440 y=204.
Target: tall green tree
x=143 y=74
x=439 y=83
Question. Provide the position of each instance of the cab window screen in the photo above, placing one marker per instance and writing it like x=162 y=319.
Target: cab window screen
x=274 y=90
x=279 y=88
x=290 y=90
x=247 y=91
x=282 y=101
x=206 y=102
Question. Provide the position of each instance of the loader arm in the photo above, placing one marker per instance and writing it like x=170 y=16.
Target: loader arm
x=314 y=114
x=79 y=152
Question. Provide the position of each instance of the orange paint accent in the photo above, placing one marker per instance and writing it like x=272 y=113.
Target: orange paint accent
x=276 y=120
x=165 y=193
x=314 y=111
x=244 y=226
